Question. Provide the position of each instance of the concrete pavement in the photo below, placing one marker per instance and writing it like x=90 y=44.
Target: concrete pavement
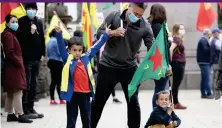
x=200 y=113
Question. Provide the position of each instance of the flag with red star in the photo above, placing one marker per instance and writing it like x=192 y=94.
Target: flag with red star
x=154 y=65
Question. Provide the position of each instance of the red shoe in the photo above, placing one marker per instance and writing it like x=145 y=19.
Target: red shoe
x=53 y=102
x=179 y=106
x=62 y=102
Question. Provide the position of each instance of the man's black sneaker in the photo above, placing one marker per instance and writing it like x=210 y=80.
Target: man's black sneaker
x=30 y=115
x=207 y=97
x=24 y=119
x=38 y=114
x=12 y=118
x=115 y=100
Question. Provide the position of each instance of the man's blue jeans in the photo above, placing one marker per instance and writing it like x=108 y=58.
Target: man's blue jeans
x=205 y=79
x=160 y=85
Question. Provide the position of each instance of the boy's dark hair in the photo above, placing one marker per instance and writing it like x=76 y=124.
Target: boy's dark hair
x=161 y=92
x=158 y=13
x=8 y=17
x=78 y=33
x=141 y=5
x=75 y=40
x=52 y=33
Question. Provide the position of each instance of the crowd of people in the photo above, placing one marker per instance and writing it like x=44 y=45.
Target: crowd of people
x=85 y=87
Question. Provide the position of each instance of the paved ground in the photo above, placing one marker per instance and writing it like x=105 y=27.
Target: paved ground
x=200 y=113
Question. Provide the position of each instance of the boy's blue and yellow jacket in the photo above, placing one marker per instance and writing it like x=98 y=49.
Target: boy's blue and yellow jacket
x=67 y=84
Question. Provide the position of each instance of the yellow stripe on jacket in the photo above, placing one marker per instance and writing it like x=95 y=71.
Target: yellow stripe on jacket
x=65 y=74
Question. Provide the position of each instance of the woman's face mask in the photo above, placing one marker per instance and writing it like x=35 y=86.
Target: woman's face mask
x=13 y=24
x=182 y=32
x=31 y=13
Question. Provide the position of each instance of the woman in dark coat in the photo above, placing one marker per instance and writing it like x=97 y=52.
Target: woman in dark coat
x=14 y=79
x=156 y=19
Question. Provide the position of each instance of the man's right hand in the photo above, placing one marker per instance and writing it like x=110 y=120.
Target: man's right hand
x=118 y=32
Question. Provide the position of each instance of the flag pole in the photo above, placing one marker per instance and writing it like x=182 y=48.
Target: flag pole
x=121 y=11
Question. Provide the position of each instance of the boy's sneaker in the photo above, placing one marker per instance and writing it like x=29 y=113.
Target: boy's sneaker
x=12 y=118
x=62 y=102
x=115 y=100
x=52 y=102
x=24 y=119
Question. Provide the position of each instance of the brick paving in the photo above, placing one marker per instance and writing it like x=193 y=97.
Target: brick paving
x=200 y=113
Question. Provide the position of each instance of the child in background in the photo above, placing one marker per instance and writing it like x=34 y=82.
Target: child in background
x=163 y=116
x=77 y=78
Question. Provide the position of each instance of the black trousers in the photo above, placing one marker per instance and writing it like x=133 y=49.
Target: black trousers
x=106 y=80
x=178 y=69
x=95 y=77
x=56 y=76
x=32 y=70
x=81 y=101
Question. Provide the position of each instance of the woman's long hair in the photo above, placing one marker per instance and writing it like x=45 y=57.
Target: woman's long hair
x=175 y=31
x=158 y=14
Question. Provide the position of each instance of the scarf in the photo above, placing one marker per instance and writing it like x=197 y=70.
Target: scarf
x=65 y=74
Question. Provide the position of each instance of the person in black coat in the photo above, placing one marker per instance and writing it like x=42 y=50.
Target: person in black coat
x=163 y=115
x=31 y=38
x=156 y=19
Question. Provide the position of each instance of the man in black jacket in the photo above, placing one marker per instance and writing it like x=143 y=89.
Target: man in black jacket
x=31 y=37
x=118 y=61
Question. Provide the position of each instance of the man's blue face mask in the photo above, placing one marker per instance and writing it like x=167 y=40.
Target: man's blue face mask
x=31 y=13
x=133 y=18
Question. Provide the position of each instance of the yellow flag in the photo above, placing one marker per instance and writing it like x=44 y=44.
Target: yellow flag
x=93 y=14
x=12 y=8
x=125 y=5
x=55 y=21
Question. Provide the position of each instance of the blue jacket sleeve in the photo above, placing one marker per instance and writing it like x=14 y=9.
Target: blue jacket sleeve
x=62 y=47
x=176 y=118
x=96 y=47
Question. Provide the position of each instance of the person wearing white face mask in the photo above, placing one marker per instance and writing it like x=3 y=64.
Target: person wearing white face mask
x=177 y=54
x=31 y=37
x=14 y=81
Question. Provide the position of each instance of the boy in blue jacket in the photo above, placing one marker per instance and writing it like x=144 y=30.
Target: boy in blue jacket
x=163 y=116
x=77 y=85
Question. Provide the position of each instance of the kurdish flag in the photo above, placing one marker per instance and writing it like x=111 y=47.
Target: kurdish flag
x=154 y=65
x=12 y=8
x=86 y=26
